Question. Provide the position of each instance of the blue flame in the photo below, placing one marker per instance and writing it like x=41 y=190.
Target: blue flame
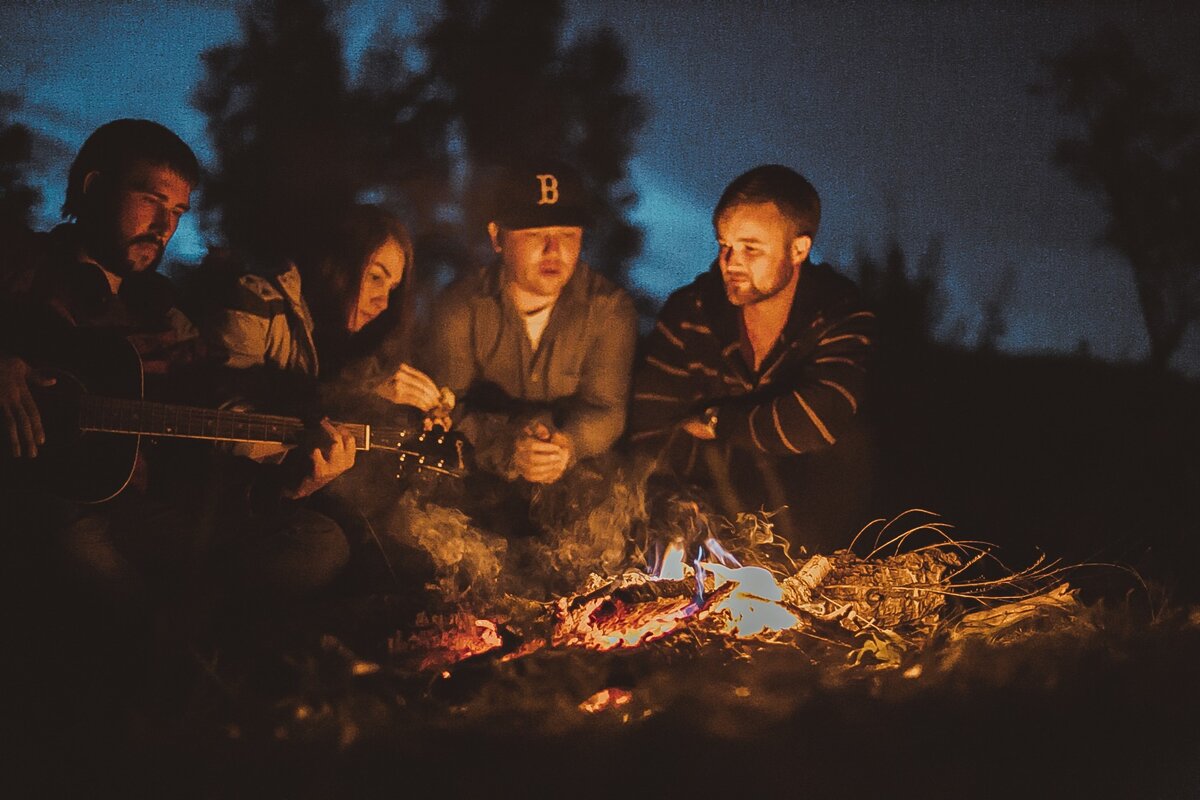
x=698 y=566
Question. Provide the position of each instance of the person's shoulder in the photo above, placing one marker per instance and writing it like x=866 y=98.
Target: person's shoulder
x=603 y=292
x=471 y=297
x=250 y=292
x=25 y=248
x=259 y=286
x=21 y=253
x=695 y=298
x=596 y=283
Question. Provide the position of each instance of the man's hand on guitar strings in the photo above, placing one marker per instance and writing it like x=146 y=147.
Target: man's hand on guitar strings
x=18 y=408
x=328 y=462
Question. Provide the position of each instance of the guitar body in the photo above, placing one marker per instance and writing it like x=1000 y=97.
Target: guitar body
x=94 y=418
x=84 y=466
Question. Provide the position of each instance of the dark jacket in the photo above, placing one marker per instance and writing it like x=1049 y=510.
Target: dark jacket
x=774 y=423
x=53 y=290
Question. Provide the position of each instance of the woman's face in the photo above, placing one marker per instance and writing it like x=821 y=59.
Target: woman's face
x=385 y=268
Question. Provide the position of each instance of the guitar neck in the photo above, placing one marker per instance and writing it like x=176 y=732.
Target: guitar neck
x=119 y=415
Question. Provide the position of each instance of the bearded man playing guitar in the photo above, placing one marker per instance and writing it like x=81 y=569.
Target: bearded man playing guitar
x=95 y=277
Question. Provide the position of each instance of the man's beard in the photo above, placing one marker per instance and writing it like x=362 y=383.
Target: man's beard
x=121 y=261
x=102 y=243
x=747 y=293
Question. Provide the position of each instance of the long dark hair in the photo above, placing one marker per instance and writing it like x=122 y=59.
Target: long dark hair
x=332 y=275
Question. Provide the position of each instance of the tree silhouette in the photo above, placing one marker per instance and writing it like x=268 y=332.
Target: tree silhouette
x=502 y=89
x=909 y=303
x=995 y=312
x=293 y=139
x=17 y=198
x=1140 y=150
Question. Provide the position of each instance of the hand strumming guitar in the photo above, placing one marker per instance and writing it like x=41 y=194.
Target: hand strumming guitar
x=327 y=462
x=18 y=409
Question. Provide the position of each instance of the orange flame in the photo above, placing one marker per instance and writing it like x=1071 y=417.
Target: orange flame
x=752 y=605
x=673 y=567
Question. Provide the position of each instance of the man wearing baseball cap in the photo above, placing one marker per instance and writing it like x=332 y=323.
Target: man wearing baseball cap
x=537 y=346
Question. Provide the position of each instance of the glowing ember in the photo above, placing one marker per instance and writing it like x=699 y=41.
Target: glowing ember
x=626 y=616
x=444 y=640
x=606 y=698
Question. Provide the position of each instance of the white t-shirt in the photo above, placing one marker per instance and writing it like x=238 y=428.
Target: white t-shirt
x=535 y=324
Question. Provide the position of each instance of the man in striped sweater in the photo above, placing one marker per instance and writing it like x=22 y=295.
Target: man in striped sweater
x=751 y=383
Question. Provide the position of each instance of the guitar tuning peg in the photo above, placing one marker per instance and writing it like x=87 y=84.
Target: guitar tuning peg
x=441 y=439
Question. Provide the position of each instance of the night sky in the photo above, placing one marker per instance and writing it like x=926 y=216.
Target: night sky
x=911 y=119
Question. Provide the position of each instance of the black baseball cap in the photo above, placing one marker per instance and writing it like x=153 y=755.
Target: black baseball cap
x=539 y=195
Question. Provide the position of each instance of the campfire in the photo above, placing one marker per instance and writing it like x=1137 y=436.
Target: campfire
x=699 y=606
x=913 y=584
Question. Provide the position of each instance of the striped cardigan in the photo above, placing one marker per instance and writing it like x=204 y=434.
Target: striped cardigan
x=803 y=397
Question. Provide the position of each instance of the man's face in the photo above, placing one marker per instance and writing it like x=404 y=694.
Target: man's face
x=539 y=261
x=759 y=251
x=138 y=217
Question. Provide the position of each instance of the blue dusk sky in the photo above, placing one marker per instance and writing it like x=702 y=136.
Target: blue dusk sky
x=912 y=119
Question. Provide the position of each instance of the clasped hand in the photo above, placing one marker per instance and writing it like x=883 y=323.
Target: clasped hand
x=542 y=456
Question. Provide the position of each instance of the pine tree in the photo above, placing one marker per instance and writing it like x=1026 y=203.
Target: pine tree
x=284 y=126
x=504 y=90
x=17 y=198
x=1140 y=151
x=296 y=138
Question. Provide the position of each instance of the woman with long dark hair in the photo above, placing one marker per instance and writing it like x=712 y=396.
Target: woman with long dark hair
x=326 y=332
x=338 y=316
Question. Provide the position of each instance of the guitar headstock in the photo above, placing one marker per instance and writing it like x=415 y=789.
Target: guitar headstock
x=435 y=450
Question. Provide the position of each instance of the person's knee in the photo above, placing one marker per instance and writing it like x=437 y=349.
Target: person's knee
x=304 y=553
x=88 y=558
x=328 y=547
x=320 y=550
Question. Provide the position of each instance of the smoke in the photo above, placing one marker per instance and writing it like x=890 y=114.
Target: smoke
x=587 y=519
x=514 y=539
x=499 y=539
x=467 y=562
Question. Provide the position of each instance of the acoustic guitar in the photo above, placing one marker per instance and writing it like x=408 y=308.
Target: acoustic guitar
x=94 y=417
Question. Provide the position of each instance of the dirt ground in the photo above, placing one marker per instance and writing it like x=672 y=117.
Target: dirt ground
x=309 y=701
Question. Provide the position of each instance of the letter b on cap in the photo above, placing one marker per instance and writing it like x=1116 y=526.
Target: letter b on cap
x=549 y=187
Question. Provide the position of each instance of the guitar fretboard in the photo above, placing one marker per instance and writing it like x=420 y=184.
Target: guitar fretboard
x=119 y=415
